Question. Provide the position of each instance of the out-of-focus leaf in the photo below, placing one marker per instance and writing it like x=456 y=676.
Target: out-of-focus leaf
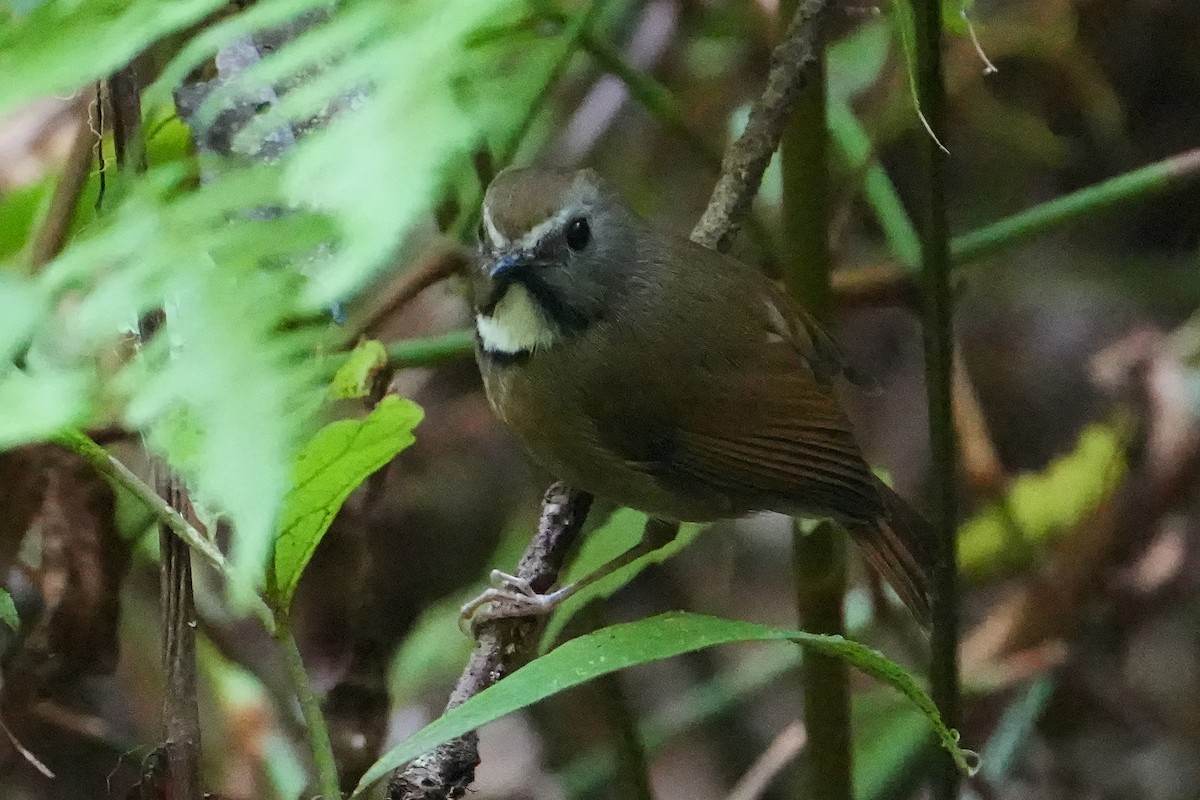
x=1040 y=506
x=21 y=306
x=855 y=146
x=889 y=733
x=856 y=61
x=8 y=611
x=38 y=405
x=353 y=378
x=620 y=646
x=340 y=457
x=1016 y=727
x=621 y=532
x=62 y=44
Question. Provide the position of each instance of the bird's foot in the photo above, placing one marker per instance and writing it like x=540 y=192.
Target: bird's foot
x=509 y=596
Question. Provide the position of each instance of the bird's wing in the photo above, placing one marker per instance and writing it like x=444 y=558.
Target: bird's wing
x=762 y=430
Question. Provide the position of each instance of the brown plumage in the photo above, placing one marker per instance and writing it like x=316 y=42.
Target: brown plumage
x=667 y=377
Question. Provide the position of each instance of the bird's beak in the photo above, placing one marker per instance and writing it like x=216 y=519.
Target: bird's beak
x=509 y=265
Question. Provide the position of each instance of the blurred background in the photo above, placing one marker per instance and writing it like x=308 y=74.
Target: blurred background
x=1078 y=411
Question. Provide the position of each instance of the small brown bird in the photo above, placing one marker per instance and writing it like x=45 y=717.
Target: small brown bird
x=660 y=375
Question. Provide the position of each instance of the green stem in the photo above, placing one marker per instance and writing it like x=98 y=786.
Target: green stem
x=110 y=467
x=317 y=732
x=938 y=333
x=431 y=351
x=1145 y=181
x=819 y=558
x=107 y=465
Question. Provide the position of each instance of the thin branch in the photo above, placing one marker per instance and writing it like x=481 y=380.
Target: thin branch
x=52 y=235
x=449 y=769
x=818 y=552
x=447 y=260
x=938 y=302
x=747 y=158
x=787 y=745
x=180 y=711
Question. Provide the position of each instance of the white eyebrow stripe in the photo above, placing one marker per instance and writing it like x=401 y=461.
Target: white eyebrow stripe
x=498 y=239
x=539 y=231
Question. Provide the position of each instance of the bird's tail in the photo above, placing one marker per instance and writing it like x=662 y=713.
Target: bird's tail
x=897 y=544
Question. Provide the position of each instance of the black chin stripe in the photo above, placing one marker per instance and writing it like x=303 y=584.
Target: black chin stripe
x=568 y=317
x=500 y=358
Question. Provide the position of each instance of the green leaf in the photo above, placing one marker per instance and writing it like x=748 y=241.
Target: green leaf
x=1040 y=506
x=8 y=611
x=620 y=646
x=856 y=61
x=621 y=532
x=353 y=379
x=889 y=734
x=340 y=457
x=856 y=148
x=63 y=44
x=38 y=405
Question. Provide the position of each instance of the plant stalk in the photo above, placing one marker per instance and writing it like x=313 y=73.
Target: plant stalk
x=818 y=552
x=938 y=311
x=317 y=732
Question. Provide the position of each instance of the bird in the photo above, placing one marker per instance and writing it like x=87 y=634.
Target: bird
x=660 y=375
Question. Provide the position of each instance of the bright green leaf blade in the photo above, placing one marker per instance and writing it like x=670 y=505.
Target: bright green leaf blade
x=63 y=44
x=620 y=533
x=353 y=378
x=8 y=611
x=340 y=457
x=630 y=644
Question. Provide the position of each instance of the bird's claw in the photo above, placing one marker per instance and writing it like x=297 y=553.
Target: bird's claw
x=509 y=596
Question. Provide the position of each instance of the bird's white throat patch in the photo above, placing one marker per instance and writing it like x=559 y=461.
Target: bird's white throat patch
x=516 y=325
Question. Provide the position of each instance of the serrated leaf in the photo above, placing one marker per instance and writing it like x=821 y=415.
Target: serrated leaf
x=353 y=378
x=619 y=646
x=8 y=611
x=340 y=457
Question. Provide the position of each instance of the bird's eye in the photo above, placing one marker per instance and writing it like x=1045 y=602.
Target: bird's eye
x=578 y=234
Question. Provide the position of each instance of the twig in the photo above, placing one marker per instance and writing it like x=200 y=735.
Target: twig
x=446 y=261
x=938 y=311
x=747 y=158
x=449 y=769
x=981 y=463
x=787 y=745
x=180 y=711
x=53 y=233
x=632 y=778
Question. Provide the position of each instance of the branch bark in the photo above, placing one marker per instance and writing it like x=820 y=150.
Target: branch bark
x=447 y=771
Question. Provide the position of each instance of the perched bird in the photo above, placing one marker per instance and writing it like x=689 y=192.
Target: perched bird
x=660 y=375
